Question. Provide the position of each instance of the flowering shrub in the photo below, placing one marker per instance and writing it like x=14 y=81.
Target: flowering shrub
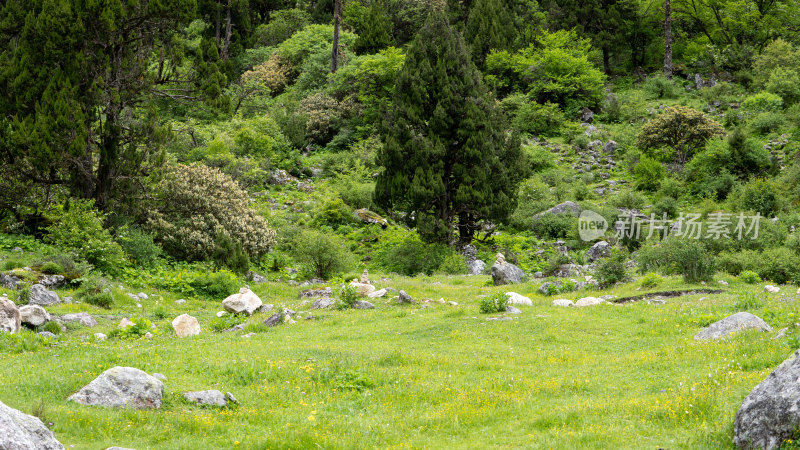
x=197 y=203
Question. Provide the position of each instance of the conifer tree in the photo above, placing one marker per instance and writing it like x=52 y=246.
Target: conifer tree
x=489 y=27
x=449 y=163
x=374 y=32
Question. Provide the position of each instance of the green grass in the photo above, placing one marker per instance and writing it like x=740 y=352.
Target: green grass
x=610 y=376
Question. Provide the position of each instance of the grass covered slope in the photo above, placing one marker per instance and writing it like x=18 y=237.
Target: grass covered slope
x=608 y=376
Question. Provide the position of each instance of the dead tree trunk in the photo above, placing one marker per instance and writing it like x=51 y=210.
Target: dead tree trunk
x=337 y=19
x=668 y=39
x=228 y=32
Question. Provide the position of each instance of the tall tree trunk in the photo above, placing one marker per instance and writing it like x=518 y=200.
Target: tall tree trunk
x=228 y=31
x=668 y=39
x=606 y=65
x=337 y=19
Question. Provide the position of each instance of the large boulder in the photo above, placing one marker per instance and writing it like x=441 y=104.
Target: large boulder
x=770 y=414
x=476 y=267
x=39 y=295
x=52 y=281
x=367 y=216
x=19 y=431
x=589 y=301
x=733 y=324
x=10 y=320
x=122 y=387
x=322 y=303
x=83 y=318
x=244 y=302
x=33 y=315
x=505 y=273
x=568 y=207
x=517 y=299
x=185 y=326
x=598 y=250
x=403 y=297
x=363 y=289
x=9 y=281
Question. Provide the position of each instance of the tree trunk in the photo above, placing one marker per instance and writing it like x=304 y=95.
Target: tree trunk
x=668 y=39
x=606 y=65
x=228 y=31
x=337 y=18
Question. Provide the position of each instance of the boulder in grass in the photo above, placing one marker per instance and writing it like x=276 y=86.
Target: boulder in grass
x=39 y=295
x=33 y=315
x=19 y=431
x=245 y=301
x=589 y=301
x=363 y=304
x=731 y=325
x=769 y=414
x=505 y=273
x=10 y=321
x=83 y=318
x=598 y=250
x=563 y=302
x=363 y=289
x=185 y=326
x=208 y=398
x=122 y=387
x=517 y=299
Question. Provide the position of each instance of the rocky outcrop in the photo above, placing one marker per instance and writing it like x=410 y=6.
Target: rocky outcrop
x=39 y=295
x=731 y=325
x=33 y=315
x=367 y=216
x=10 y=320
x=598 y=250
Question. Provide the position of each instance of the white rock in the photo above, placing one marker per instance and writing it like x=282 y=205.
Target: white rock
x=248 y=335
x=33 y=315
x=772 y=289
x=452 y=303
x=731 y=325
x=244 y=302
x=589 y=301
x=180 y=301
x=122 y=387
x=212 y=397
x=517 y=299
x=19 y=431
x=100 y=337
x=377 y=294
x=39 y=295
x=185 y=326
x=82 y=318
x=142 y=296
x=723 y=282
x=10 y=320
x=125 y=323
x=221 y=313
x=363 y=289
x=562 y=302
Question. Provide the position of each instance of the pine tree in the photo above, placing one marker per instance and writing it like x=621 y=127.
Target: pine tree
x=449 y=162
x=489 y=28
x=374 y=32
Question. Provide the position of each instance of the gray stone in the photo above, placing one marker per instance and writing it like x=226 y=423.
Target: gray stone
x=33 y=315
x=9 y=281
x=563 y=302
x=513 y=310
x=562 y=208
x=505 y=273
x=142 y=296
x=180 y=301
x=544 y=289
x=589 y=301
x=19 y=431
x=369 y=217
x=378 y=294
x=82 y=318
x=245 y=301
x=598 y=250
x=230 y=398
x=10 y=320
x=258 y=278
x=52 y=281
x=47 y=334
x=733 y=324
x=122 y=387
x=265 y=308
x=160 y=376
x=316 y=293
x=476 y=267
x=500 y=318
x=517 y=299
x=322 y=303
x=39 y=295
x=363 y=304
x=273 y=320
x=770 y=414
x=610 y=147
x=212 y=397
x=403 y=297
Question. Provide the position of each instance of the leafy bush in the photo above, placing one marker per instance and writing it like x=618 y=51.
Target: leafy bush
x=96 y=290
x=749 y=277
x=612 y=269
x=534 y=197
x=51 y=268
x=194 y=204
x=660 y=87
x=762 y=102
x=686 y=257
x=324 y=253
x=453 y=264
x=647 y=175
x=228 y=253
x=100 y=299
x=140 y=327
x=785 y=82
x=22 y=342
x=553 y=226
x=766 y=123
x=227 y=321
x=777 y=54
x=404 y=253
x=138 y=245
x=538 y=120
x=681 y=130
x=281 y=26
x=758 y=195
x=650 y=280
x=666 y=206
x=79 y=228
x=51 y=327
x=628 y=199
x=216 y=285
x=494 y=303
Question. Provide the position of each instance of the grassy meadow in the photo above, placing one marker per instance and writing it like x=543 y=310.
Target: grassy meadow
x=608 y=376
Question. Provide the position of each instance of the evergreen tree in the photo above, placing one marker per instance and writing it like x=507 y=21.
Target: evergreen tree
x=374 y=30
x=449 y=162
x=489 y=28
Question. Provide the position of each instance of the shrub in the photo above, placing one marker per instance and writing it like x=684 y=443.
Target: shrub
x=628 y=199
x=785 y=82
x=51 y=268
x=538 y=120
x=453 y=264
x=534 y=197
x=763 y=102
x=227 y=321
x=140 y=327
x=666 y=206
x=79 y=228
x=138 y=245
x=324 y=253
x=194 y=204
x=749 y=277
x=281 y=26
x=100 y=299
x=553 y=226
x=686 y=257
x=216 y=285
x=612 y=269
x=777 y=54
x=324 y=115
x=766 y=123
x=660 y=87
x=404 y=253
x=22 y=342
x=51 y=327
x=494 y=303
x=228 y=253
x=680 y=129
x=650 y=280
x=274 y=74
x=648 y=174
x=760 y=196
x=96 y=290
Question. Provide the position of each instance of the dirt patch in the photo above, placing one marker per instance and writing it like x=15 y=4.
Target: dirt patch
x=666 y=294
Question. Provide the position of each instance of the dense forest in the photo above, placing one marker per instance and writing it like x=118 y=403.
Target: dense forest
x=265 y=136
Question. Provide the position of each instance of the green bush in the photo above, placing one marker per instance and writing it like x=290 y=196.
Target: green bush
x=628 y=199
x=227 y=322
x=79 y=228
x=100 y=299
x=534 y=197
x=763 y=102
x=281 y=26
x=553 y=226
x=749 y=277
x=324 y=253
x=138 y=245
x=761 y=196
x=217 y=285
x=650 y=280
x=612 y=269
x=404 y=253
x=22 y=342
x=766 y=123
x=51 y=327
x=453 y=264
x=647 y=175
x=140 y=327
x=785 y=82
x=12 y=264
x=747 y=300
x=666 y=206
x=660 y=87
x=230 y=254
x=51 y=268
x=686 y=257
x=494 y=303
x=538 y=120
x=96 y=290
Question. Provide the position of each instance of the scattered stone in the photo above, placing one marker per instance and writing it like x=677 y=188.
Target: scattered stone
x=47 y=334
x=52 y=281
x=598 y=250
x=33 y=315
x=100 y=337
x=772 y=289
x=500 y=318
x=9 y=281
x=19 y=431
x=221 y=313
x=230 y=398
x=248 y=335
x=125 y=323
x=562 y=302
x=257 y=278
x=589 y=301
x=239 y=327
x=367 y=216
x=180 y=301
x=505 y=273
x=562 y=208
x=610 y=147
x=363 y=304
x=452 y=303
x=185 y=326
x=363 y=289
x=212 y=397
x=781 y=333
x=517 y=299
x=273 y=320
x=608 y=297
x=769 y=414
x=378 y=294
x=658 y=301
x=544 y=289
x=148 y=335
x=723 y=282
x=323 y=303
x=122 y=387
x=730 y=325
x=538 y=275
x=265 y=308
x=244 y=302
x=403 y=297
x=82 y=318
x=142 y=296
x=39 y=295
x=513 y=310
x=10 y=320
x=316 y=293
